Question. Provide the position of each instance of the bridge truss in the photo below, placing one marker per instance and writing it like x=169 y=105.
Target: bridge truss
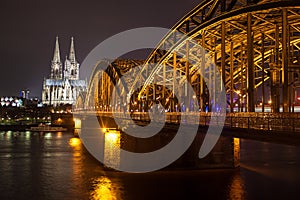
x=254 y=44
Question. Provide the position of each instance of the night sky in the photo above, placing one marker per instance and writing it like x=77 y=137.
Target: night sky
x=29 y=28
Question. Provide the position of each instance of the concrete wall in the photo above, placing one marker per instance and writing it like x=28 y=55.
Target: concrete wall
x=225 y=154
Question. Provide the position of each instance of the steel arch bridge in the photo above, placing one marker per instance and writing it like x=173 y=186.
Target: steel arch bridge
x=100 y=91
x=254 y=43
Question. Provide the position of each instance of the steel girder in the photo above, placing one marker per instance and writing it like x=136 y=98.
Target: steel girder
x=253 y=43
x=102 y=82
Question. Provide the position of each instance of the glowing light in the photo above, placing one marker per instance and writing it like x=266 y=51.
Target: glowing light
x=113 y=137
x=74 y=142
x=104 y=130
x=59 y=120
x=77 y=123
x=105 y=189
x=270 y=102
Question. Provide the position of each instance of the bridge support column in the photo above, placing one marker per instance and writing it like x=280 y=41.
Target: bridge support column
x=187 y=73
x=275 y=97
x=164 y=82
x=231 y=77
x=201 y=78
x=154 y=92
x=242 y=85
x=285 y=95
x=250 y=67
x=263 y=71
x=223 y=54
x=215 y=72
x=174 y=108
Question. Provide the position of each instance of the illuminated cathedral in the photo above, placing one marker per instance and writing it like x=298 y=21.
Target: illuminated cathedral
x=63 y=84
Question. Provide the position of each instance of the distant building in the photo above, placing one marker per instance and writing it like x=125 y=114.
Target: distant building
x=11 y=101
x=25 y=94
x=63 y=85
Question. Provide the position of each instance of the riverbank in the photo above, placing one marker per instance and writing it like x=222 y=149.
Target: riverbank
x=25 y=127
x=16 y=127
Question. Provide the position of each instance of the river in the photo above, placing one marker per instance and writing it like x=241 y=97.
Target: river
x=57 y=166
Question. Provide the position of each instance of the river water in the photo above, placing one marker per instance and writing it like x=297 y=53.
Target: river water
x=57 y=166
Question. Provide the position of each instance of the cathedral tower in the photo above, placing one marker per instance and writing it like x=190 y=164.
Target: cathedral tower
x=63 y=88
x=71 y=65
x=56 y=65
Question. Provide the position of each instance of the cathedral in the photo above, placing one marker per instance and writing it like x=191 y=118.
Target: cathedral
x=63 y=85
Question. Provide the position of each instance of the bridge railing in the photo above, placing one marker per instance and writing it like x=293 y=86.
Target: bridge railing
x=288 y=122
x=261 y=121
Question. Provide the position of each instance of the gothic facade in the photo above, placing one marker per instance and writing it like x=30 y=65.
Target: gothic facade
x=63 y=85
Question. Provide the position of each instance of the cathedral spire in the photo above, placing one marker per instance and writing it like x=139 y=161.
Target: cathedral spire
x=56 y=56
x=56 y=65
x=72 y=51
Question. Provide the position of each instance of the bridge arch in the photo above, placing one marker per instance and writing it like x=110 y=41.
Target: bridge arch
x=102 y=82
x=255 y=44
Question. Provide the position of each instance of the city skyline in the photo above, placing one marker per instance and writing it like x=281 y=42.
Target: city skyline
x=30 y=29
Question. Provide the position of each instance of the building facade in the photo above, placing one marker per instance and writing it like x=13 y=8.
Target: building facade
x=63 y=85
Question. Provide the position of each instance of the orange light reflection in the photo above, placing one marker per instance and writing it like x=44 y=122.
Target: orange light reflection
x=105 y=189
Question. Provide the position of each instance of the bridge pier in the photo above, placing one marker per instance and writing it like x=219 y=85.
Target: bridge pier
x=225 y=154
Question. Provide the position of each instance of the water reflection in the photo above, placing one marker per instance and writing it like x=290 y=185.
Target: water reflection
x=59 y=134
x=75 y=143
x=48 y=135
x=112 y=148
x=236 y=151
x=61 y=168
x=78 y=168
x=236 y=187
x=105 y=189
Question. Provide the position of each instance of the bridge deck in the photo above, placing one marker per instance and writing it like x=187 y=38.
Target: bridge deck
x=274 y=127
x=287 y=122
